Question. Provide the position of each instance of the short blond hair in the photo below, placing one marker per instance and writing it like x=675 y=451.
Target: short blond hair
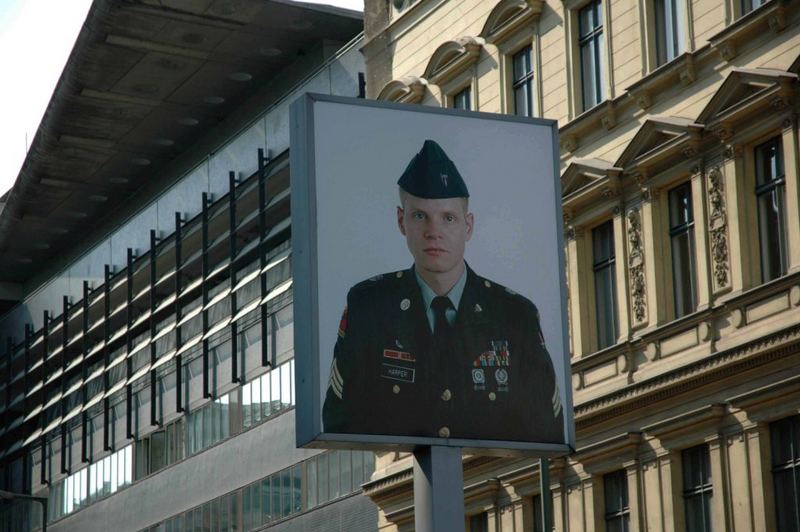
x=404 y=195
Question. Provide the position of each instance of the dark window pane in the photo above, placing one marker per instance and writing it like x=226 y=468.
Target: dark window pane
x=605 y=284
x=522 y=82
x=462 y=99
x=479 y=523
x=617 y=511
x=681 y=221
x=590 y=42
x=771 y=209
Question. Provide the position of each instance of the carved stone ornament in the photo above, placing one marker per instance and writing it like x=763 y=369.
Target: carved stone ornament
x=636 y=267
x=718 y=231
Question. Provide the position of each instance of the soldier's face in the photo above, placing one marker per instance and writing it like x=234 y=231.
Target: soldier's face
x=436 y=231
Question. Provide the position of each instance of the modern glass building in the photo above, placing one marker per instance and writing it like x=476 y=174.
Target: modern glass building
x=146 y=366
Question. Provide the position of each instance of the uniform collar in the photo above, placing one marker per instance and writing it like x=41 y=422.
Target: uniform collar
x=454 y=294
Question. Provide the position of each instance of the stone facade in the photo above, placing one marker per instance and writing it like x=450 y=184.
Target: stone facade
x=718 y=376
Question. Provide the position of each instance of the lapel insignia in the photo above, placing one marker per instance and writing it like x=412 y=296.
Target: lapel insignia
x=399 y=274
x=487 y=284
x=478 y=308
x=405 y=304
x=398 y=344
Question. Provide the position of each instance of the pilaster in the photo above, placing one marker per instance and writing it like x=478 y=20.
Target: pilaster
x=719 y=481
x=791 y=167
x=621 y=271
x=759 y=464
x=701 y=247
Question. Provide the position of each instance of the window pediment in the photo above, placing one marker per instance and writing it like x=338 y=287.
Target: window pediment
x=746 y=91
x=408 y=89
x=451 y=58
x=508 y=16
x=660 y=138
x=584 y=175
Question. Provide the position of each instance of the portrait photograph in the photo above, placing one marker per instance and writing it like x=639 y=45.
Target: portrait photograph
x=429 y=278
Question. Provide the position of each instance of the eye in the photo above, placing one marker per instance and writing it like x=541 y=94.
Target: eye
x=449 y=218
x=418 y=215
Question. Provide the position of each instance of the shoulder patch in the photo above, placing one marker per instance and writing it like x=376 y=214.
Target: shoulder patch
x=343 y=324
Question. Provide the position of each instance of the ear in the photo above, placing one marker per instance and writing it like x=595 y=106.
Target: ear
x=470 y=219
x=400 y=223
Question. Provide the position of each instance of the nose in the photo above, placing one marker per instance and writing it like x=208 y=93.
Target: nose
x=432 y=230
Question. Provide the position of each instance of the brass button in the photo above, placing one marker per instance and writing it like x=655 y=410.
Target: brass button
x=492 y=396
x=444 y=432
x=396 y=388
x=446 y=395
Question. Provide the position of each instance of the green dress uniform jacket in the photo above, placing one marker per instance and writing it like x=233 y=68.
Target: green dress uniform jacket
x=489 y=377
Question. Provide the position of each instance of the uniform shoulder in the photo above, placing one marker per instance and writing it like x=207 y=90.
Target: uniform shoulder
x=377 y=284
x=507 y=297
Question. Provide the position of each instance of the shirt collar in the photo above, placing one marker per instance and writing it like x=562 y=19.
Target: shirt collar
x=454 y=294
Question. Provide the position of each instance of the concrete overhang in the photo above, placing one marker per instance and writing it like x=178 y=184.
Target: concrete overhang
x=143 y=81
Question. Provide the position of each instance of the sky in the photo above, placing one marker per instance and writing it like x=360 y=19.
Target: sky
x=36 y=37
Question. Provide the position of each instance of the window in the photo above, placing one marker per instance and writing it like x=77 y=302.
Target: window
x=669 y=30
x=750 y=5
x=461 y=100
x=590 y=42
x=522 y=82
x=697 y=491
x=605 y=284
x=538 y=517
x=771 y=200
x=615 y=486
x=681 y=233
x=785 y=437
x=479 y=522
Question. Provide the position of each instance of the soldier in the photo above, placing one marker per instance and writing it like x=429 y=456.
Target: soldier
x=436 y=350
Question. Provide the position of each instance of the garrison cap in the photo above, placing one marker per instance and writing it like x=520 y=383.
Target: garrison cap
x=432 y=175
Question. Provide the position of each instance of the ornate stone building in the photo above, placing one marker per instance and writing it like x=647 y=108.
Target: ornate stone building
x=679 y=169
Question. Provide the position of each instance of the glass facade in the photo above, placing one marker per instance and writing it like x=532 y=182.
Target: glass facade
x=286 y=493
x=590 y=43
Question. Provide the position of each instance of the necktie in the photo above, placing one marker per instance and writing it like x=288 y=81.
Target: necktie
x=440 y=304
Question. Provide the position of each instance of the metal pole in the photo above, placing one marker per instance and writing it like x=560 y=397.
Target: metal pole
x=544 y=489
x=438 y=489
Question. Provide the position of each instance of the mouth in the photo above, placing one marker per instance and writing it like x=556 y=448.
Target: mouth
x=434 y=252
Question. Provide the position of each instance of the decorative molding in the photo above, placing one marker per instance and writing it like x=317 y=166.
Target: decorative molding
x=726 y=49
x=718 y=231
x=409 y=89
x=508 y=17
x=636 y=268
x=723 y=364
x=569 y=143
x=451 y=58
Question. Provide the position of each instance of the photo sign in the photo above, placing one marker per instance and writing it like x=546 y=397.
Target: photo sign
x=428 y=279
